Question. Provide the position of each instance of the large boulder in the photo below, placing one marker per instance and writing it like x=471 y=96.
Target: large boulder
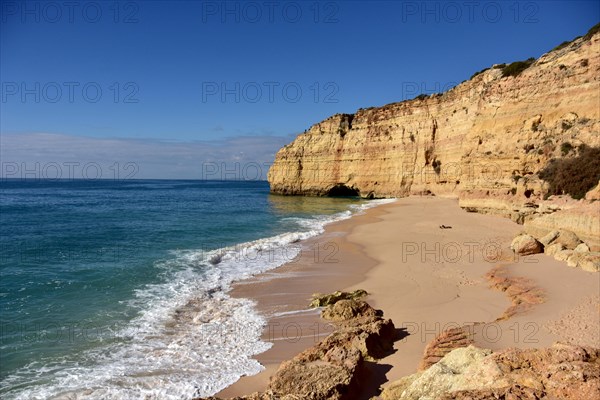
x=455 y=371
x=552 y=249
x=323 y=300
x=567 y=239
x=344 y=310
x=562 y=371
x=361 y=327
x=589 y=262
x=526 y=244
x=318 y=377
x=582 y=248
x=549 y=238
x=563 y=255
x=561 y=236
x=573 y=259
x=374 y=339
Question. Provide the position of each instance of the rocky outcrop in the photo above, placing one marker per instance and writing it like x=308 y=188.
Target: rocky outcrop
x=444 y=343
x=522 y=292
x=332 y=369
x=526 y=245
x=552 y=249
x=484 y=141
x=594 y=194
x=561 y=244
x=452 y=367
x=582 y=248
x=345 y=310
x=561 y=371
x=549 y=239
x=568 y=239
x=322 y=300
x=582 y=220
x=516 y=392
x=589 y=262
x=563 y=255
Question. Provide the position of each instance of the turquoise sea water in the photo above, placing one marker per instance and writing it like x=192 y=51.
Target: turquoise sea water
x=117 y=289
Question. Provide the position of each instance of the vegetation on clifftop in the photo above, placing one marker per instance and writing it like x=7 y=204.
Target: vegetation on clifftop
x=515 y=68
x=593 y=30
x=478 y=72
x=562 y=45
x=574 y=176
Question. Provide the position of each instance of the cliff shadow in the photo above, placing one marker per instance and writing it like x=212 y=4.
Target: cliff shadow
x=341 y=190
x=374 y=374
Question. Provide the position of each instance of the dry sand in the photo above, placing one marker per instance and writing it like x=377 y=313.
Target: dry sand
x=426 y=279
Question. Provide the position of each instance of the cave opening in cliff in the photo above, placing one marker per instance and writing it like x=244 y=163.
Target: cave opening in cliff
x=341 y=190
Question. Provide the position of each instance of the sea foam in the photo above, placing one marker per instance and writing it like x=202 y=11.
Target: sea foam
x=189 y=337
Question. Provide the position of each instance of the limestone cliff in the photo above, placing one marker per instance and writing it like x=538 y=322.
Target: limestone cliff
x=483 y=141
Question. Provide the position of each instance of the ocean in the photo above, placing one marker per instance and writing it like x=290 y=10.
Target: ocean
x=118 y=289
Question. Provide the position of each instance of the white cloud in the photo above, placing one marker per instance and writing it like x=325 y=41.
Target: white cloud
x=47 y=155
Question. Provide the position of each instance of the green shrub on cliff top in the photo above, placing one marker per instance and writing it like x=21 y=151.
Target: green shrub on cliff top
x=593 y=30
x=479 y=72
x=574 y=176
x=562 y=45
x=515 y=68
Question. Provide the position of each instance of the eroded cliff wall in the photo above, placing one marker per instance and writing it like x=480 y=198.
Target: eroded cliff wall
x=484 y=142
x=486 y=138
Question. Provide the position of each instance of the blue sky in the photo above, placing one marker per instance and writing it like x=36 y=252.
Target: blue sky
x=171 y=85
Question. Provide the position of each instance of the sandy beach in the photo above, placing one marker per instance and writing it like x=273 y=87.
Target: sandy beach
x=426 y=278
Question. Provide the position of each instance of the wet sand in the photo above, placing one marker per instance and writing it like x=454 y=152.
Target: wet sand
x=426 y=279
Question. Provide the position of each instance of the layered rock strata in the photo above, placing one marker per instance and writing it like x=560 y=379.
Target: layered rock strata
x=484 y=142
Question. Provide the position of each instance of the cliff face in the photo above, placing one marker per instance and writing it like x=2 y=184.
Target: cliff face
x=484 y=139
x=483 y=142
